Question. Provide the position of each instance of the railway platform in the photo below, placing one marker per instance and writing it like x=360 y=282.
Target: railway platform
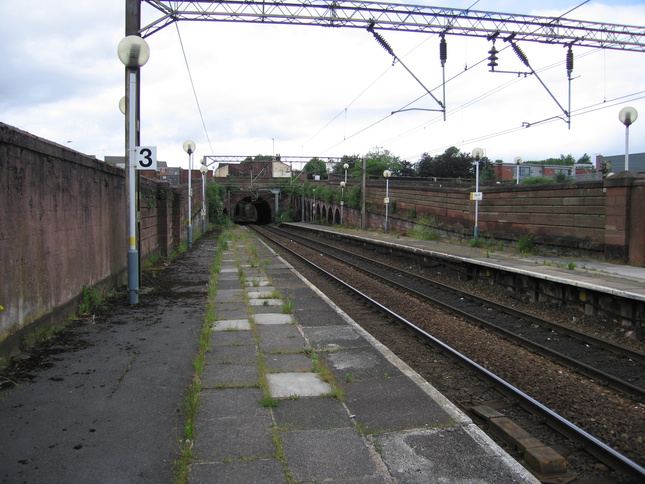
x=300 y=393
x=616 y=291
x=619 y=279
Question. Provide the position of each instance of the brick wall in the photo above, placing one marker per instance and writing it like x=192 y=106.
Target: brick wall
x=63 y=226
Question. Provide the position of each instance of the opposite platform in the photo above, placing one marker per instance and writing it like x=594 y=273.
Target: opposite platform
x=268 y=416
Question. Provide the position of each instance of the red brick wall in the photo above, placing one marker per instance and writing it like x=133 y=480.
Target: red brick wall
x=63 y=226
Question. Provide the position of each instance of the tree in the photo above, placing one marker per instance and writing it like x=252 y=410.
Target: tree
x=378 y=160
x=584 y=159
x=355 y=163
x=451 y=164
x=315 y=166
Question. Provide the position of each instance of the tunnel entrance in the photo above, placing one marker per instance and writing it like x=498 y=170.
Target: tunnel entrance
x=252 y=210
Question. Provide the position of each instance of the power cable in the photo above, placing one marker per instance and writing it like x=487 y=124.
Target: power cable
x=192 y=84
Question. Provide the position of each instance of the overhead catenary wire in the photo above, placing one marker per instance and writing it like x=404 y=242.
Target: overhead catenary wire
x=192 y=84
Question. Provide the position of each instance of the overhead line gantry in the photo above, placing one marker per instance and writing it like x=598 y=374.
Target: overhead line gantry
x=401 y=17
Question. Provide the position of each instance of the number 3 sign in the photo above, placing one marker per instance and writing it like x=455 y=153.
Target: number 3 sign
x=146 y=158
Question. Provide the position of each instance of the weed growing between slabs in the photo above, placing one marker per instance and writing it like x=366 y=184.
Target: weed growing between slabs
x=192 y=400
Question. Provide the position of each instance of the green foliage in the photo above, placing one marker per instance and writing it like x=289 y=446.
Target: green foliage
x=315 y=166
x=378 y=160
x=476 y=242
x=526 y=244
x=286 y=216
x=353 y=197
x=90 y=300
x=425 y=230
x=536 y=180
x=250 y=159
x=571 y=266
x=452 y=164
x=215 y=194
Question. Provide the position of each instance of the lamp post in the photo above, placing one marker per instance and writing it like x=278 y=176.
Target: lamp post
x=478 y=153
x=313 y=212
x=133 y=52
x=342 y=202
x=204 y=170
x=387 y=174
x=189 y=147
x=518 y=162
x=627 y=116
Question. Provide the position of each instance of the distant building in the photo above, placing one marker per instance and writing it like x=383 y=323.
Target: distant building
x=164 y=172
x=579 y=171
x=616 y=163
x=261 y=169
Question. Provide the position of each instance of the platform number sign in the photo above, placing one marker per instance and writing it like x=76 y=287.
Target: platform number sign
x=146 y=158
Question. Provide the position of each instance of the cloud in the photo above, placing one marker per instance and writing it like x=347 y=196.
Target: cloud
x=310 y=91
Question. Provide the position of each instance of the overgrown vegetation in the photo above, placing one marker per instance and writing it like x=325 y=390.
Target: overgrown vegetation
x=526 y=245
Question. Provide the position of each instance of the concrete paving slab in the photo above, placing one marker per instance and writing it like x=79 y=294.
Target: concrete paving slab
x=267 y=309
x=280 y=339
x=231 y=324
x=277 y=363
x=285 y=385
x=226 y=270
x=233 y=338
x=231 y=306
x=393 y=404
x=231 y=402
x=272 y=318
x=455 y=455
x=228 y=295
x=230 y=375
x=324 y=455
x=257 y=282
x=319 y=413
x=228 y=284
x=311 y=304
x=299 y=292
x=242 y=313
x=265 y=302
x=234 y=438
x=266 y=293
x=265 y=471
x=232 y=354
x=333 y=338
x=319 y=317
x=364 y=363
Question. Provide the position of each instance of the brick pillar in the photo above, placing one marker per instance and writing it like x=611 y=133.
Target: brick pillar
x=618 y=198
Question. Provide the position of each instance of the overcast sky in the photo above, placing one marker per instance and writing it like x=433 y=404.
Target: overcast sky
x=313 y=91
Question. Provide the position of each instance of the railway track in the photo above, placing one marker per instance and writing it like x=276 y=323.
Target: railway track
x=469 y=307
x=616 y=366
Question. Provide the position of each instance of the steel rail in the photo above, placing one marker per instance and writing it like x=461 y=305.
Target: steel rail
x=593 y=445
x=402 y=17
x=587 y=370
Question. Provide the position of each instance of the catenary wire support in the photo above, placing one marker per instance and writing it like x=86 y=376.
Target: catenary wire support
x=388 y=49
x=518 y=51
x=443 y=57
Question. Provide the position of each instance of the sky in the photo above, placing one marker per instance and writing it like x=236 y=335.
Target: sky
x=312 y=91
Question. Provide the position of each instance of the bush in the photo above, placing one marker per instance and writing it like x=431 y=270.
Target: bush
x=526 y=244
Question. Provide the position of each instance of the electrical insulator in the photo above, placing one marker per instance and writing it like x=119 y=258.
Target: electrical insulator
x=492 y=57
x=443 y=50
x=569 y=62
x=520 y=54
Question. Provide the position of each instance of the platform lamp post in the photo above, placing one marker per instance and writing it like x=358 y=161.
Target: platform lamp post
x=342 y=202
x=313 y=212
x=478 y=153
x=627 y=116
x=133 y=52
x=387 y=174
x=203 y=169
x=189 y=147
